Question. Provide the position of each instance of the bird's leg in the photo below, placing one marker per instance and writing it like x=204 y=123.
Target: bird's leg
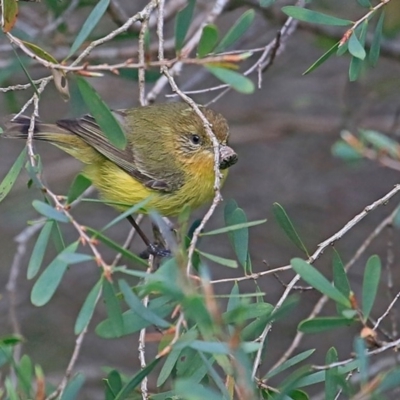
x=153 y=249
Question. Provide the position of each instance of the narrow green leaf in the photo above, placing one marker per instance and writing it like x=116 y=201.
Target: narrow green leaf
x=113 y=384
x=340 y=279
x=115 y=246
x=79 y=185
x=322 y=59
x=314 y=278
x=168 y=366
x=266 y=3
x=73 y=387
x=132 y=210
x=322 y=324
x=356 y=64
x=135 y=381
x=182 y=24
x=356 y=49
x=91 y=21
x=39 y=250
x=362 y=357
x=381 y=142
x=237 y=31
x=11 y=392
x=390 y=381
x=87 y=310
x=372 y=276
x=75 y=258
x=187 y=389
x=113 y=308
x=49 y=211
x=289 y=363
x=137 y=307
x=10 y=14
x=286 y=224
x=375 y=49
x=314 y=17
x=25 y=374
x=331 y=374
x=48 y=282
x=344 y=151
x=102 y=114
x=238 y=82
x=12 y=175
x=28 y=76
x=219 y=260
x=208 y=40
x=233 y=227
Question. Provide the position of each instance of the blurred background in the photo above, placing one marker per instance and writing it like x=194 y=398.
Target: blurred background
x=283 y=134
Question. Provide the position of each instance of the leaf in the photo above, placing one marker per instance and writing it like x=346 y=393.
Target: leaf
x=381 y=142
x=208 y=40
x=39 y=250
x=115 y=246
x=73 y=387
x=43 y=54
x=362 y=357
x=113 y=384
x=75 y=258
x=356 y=64
x=187 y=389
x=266 y=3
x=137 y=307
x=9 y=14
x=48 y=282
x=49 y=211
x=78 y=187
x=389 y=381
x=344 y=151
x=237 y=31
x=135 y=381
x=168 y=366
x=12 y=175
x=314 y=278
x=314 y=17
x=330 y=375
x=289 y=363
x=233 y=227
x=238 y=82
x=87 y=310
x=322 y=59
x=356 y=49
x=364 y=3
x=219 y=260
x=113 y=308
x=21 y=64
x=286 y=224
x=91 y=21
x=370 y=286
x=375 y=48
x=102 y=114
x=340 y=279
x=25 y=373
x=182 y=24
x=322 y=324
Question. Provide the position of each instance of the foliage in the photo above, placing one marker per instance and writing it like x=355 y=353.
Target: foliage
x=206 y=347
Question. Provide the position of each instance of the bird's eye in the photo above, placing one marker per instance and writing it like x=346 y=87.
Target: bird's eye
x=195 y=139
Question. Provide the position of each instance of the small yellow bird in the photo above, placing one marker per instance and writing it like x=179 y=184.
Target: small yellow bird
x=168 y=156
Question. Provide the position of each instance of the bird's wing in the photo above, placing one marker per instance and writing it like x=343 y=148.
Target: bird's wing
x=89 y=131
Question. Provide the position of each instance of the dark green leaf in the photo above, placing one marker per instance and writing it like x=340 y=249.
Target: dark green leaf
x=208 y=40
x=115 y=246
x=330 y=375
x=113 y=384
x=356 y=49
x=375 y=49
x=90 y=23
x=168 y=366
x=25 y=373
x=135 y=381
x=322 y=324
x=314 y=17
x=356 y=64
x=340 y=279
x=182 y=24
x=113 y=308
x=234 y=227
x=87 y=310
x=238 y=82
x=237 y=31
x=289 y=363
x=48 y=282
x=102 y=114
x=49 y=211
x=314 y=278
x=286 y=224
x=219 y=260
x=73 y=387
x=79 y=185
x=137 y=307
x=39 y=250
x=362 y=358
x=12 y=175
x=372 y=276
x=322 y=59
x=28 y=76
x=390 y=381
x=189 y=390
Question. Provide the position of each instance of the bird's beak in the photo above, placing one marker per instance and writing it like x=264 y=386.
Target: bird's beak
x=227 y=157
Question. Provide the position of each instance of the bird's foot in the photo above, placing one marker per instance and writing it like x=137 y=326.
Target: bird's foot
x=156 y=250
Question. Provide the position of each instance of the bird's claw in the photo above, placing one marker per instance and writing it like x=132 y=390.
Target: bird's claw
x=155 y=250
